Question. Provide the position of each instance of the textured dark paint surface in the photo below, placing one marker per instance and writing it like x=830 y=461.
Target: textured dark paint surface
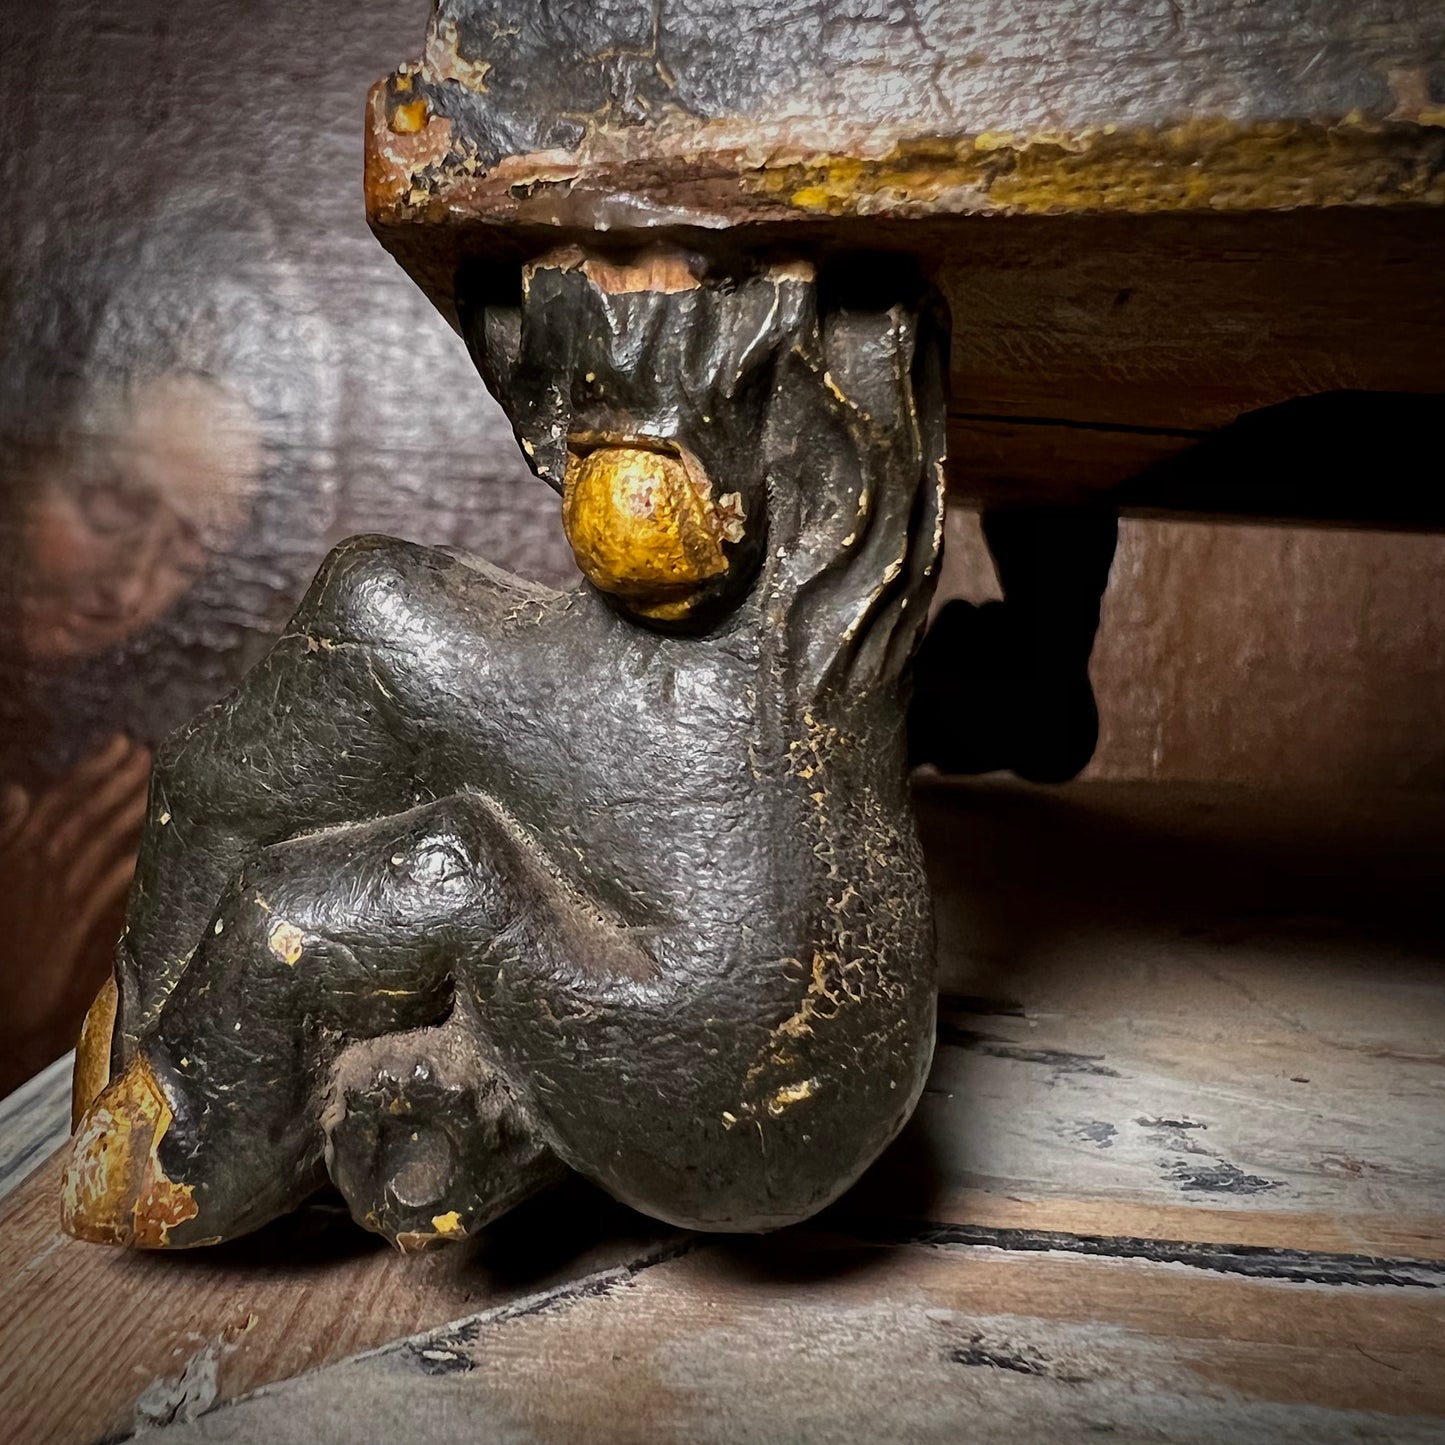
x=671 y=878
x=517 y=77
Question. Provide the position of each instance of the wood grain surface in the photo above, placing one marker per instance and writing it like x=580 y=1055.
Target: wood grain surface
x=99 y=1342
x=34 y=1123
x=822 y=1340
x=1089 y=350
x=1179 y=1173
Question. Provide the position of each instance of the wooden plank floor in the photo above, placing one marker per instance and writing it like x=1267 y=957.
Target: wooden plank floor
x=1199 y=1013
x=809 y=1339
x=1179 y=1175
x=34 y=1123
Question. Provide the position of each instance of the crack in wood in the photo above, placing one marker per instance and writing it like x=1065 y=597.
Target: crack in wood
x=440 y=1352
x=1243 y=1260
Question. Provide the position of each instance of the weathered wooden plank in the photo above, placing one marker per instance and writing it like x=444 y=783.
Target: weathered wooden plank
x=631 y=115
x=1216 y=1019
x=1182 y=323
x=1089 y=350
x=1152 y=1111
x=800 y=1339
x=95 y=1342
x=34 y=1122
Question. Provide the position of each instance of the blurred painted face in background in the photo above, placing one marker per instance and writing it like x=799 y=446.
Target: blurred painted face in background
x=121 y=517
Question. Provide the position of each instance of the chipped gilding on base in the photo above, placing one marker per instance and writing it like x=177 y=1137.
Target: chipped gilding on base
x=114 y=1190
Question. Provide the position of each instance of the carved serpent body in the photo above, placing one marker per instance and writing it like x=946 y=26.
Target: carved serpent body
x=471 y=880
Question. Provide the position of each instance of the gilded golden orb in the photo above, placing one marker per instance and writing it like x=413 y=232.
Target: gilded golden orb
x=644 y=526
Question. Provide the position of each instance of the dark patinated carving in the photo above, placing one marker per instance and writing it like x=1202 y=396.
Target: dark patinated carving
x=471 y=881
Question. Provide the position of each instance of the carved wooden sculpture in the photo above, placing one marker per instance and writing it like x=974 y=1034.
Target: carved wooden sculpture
x=472 y=881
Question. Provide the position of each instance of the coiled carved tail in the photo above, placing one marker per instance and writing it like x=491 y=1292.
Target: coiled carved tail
x=473 y=882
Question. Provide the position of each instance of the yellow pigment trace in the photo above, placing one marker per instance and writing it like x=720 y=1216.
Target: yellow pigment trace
x=114 y=1190
x=643 y=526
x=92 y=1053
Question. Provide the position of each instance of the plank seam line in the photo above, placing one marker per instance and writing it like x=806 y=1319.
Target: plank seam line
x=562 y=1296
x=439 y=1351
x=1249 y=1261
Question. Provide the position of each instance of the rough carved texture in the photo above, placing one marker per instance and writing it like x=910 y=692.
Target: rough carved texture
x=653 y=898
x=710 y=114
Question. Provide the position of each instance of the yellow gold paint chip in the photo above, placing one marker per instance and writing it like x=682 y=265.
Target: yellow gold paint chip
x=286 y=941
x=92 y=1052
x=114 y=1190
x=410 y=116
x=792 y=1094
